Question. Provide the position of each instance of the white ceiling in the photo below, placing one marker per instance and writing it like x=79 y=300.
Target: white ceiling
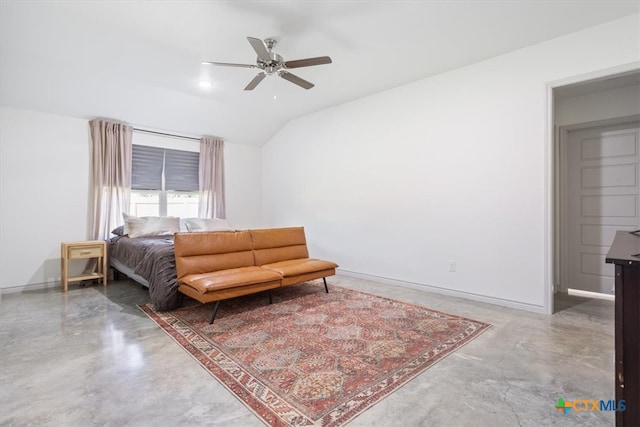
x=140 y=61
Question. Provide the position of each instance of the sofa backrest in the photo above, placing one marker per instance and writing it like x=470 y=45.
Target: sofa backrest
x=278 y=244
x=207 y=252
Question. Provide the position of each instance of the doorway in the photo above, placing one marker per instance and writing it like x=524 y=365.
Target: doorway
x=595 y=179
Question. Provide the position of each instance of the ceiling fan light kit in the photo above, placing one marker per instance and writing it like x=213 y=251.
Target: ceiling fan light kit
x=271 y=63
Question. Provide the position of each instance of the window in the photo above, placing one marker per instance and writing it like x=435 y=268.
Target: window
x=164 y=182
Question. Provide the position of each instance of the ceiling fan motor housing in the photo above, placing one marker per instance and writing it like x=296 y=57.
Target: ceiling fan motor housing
x=272 y=65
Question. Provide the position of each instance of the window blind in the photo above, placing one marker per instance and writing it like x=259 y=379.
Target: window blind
x=180 y=169
x=146 y=167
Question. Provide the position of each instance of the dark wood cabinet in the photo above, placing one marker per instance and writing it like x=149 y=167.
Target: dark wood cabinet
x=627 y=288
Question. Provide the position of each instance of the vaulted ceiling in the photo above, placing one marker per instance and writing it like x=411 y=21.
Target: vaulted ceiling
x=140 y=61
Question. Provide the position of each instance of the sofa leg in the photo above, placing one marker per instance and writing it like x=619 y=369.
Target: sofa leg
x=326 y=289
x=270 y=297
x=215 y=310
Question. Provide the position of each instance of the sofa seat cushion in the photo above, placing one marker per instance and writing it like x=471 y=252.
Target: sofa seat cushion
x=299 y=267
x=230 y=278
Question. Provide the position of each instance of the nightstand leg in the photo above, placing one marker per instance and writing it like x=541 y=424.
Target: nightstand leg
x=104 y=269
x=63 y=273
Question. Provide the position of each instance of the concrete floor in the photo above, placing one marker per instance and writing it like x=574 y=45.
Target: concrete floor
x=91 y=357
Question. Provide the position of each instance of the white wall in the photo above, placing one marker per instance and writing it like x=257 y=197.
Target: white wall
x=44 y=192
x=44 y=178
x=243 y=185
x=603 y=105
x=451 y=167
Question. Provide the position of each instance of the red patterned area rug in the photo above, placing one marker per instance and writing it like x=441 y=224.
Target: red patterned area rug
x=312 y=358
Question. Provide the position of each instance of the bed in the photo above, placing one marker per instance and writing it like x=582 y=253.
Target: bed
x=151 y=262
x=142 y=250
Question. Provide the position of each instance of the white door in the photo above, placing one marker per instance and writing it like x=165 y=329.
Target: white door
x=603 y=196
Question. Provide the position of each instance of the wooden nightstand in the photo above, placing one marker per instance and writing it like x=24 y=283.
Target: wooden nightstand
x=83 y=250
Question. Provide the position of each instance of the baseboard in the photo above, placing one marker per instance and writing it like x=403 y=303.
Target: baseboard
x=444 y=291
x=30 y=287
x=388 y=281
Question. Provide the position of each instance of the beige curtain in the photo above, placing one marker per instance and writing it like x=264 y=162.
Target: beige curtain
x=211 y=178
x=110 y=176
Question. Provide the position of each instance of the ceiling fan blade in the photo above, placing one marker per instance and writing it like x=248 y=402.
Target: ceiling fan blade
x=253 y=83
x=296 y=80
x=308 y=62
x=260 y=48
x=228 y=64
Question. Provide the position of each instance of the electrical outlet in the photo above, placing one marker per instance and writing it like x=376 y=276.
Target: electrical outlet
x=452 y=265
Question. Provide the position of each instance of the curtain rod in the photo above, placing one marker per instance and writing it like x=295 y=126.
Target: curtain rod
x=166 y=134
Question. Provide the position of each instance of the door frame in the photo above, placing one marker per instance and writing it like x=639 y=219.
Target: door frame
x=561 y=219
x=552 y=212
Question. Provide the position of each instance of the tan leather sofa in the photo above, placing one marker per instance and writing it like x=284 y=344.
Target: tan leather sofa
x=213 y=266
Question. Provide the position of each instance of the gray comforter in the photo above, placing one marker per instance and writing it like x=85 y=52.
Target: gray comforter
x=152 y=258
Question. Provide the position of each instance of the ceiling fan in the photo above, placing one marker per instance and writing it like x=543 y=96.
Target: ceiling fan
x=271 y=63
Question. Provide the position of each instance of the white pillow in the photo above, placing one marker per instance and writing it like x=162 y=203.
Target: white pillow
x=150 y=225
x=207 y=224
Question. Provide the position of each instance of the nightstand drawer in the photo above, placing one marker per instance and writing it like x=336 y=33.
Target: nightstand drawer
x=85 y=252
